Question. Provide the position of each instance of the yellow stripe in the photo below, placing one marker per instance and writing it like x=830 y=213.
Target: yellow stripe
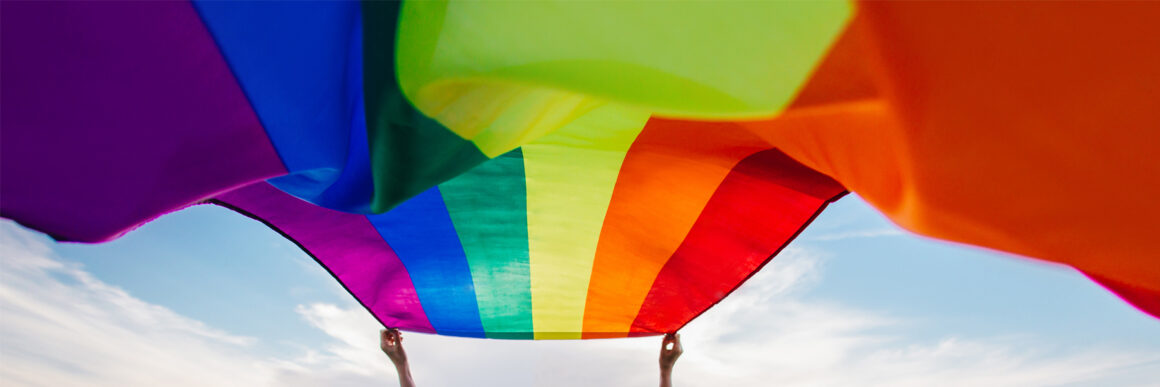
x=500 y=117
x=570 y=175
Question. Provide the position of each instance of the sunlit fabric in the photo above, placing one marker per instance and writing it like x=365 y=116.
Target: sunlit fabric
x=531 y=245
x=564 y=170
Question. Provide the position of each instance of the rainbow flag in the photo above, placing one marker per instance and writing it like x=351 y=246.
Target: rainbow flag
x=559 y=169
x=529 y=245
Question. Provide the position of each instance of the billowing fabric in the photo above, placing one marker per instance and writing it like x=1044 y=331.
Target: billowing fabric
x=530 y=245
x=582 y=170
x=1035 y=132
x=96 y=137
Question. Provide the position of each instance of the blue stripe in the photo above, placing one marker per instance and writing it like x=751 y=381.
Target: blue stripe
x=355 y=187
x=300 y=64
x=421 y=233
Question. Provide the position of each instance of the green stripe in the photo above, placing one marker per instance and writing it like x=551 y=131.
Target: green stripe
x=489 y=209
x=409 y=151
x=697 y=59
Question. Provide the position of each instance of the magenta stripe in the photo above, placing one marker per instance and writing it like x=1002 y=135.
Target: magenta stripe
x=345 y=244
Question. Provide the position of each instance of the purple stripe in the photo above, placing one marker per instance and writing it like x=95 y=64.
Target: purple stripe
x=345 y=244
x=116 y=113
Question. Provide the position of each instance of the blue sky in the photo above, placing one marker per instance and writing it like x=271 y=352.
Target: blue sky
x=854 y=301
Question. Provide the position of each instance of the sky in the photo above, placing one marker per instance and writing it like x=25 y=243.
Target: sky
x=206 y=297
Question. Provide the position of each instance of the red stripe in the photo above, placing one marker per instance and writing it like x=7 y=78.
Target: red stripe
x=1146 y=300
x=760 y=207
x=669 y=174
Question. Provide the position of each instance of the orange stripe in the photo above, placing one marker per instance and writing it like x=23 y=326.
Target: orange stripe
x=669 y=174
x=1027 y=128
x=673 y=169
x=844 y=74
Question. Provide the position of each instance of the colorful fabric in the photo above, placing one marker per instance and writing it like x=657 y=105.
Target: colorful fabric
x=579 y=170
x=1034 y=133
x=500 y=252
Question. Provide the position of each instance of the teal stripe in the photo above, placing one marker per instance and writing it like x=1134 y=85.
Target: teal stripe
x=488 y=207
x=409 y=151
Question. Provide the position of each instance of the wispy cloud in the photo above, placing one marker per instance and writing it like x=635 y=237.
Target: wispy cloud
x=60 y=326
x=766 y=335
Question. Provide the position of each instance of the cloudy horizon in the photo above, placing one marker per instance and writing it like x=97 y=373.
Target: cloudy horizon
x=63 y=323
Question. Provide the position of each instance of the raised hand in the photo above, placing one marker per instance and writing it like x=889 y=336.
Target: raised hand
x=391 y=341
x=392 y=344
x=670 y=350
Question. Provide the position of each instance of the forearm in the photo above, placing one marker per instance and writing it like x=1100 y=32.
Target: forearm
x=670 y=350
x=404 y=371
x=666 y=377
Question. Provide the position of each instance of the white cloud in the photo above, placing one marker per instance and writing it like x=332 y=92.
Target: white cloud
x=765 y=334
x=60 y=326
x=762 y=335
